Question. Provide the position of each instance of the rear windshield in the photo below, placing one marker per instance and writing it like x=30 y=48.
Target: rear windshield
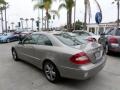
x=70 y=41
x=118 y=32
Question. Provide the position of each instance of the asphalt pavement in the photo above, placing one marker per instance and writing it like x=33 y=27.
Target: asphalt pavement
x=23 y=76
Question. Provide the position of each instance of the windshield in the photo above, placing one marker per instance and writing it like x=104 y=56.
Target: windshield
x=67 y=40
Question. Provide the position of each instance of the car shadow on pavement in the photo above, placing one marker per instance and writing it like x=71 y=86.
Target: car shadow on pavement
x=114 y=54
x=32 y=66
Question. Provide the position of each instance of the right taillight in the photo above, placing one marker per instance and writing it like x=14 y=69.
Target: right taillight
x=80 y=58
x=113 y=40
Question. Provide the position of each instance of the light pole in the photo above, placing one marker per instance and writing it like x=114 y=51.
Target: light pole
x=118 y=11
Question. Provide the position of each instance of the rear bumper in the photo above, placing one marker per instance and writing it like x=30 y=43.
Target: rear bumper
x=114 y=47
x=83 y=72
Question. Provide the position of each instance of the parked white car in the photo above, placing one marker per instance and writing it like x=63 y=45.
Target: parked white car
x=87 y=35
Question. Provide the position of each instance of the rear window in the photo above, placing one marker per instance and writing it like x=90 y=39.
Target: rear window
x=70 y=41
x=118 y=32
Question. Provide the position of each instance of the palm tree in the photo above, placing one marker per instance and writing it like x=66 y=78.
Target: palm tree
x=46 y=4
x=88 y=10
x=21 y=19
x=6 y=6
x=2 y=2
x=1 y=12
x=68 y=5
x=26 y=22
x=32 y=19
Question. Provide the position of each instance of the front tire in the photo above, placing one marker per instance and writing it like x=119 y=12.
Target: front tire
x=8 y=40
x=14 y=54
x=51 y=72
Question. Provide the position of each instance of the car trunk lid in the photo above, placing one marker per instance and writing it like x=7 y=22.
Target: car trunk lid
x=93 y=50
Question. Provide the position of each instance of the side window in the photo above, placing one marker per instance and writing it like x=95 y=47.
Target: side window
x=31 y=39
x=44 y=40
x=111 y=32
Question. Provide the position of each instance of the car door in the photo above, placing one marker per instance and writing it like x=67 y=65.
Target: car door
x=42 y=49
x=28 y=48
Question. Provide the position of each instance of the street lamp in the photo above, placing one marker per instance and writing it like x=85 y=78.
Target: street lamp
x=118 y=10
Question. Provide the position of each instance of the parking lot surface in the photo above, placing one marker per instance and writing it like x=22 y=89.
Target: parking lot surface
x=23 y=76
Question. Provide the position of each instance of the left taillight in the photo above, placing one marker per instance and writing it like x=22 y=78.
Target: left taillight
x=80 y=58
x=91 y=39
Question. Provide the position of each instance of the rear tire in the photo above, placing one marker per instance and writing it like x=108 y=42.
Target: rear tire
x=14 y=54
x=51 y=72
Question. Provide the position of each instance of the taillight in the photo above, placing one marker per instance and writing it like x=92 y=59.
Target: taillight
x=90 y=39
x=80 y=58
x=113 y=40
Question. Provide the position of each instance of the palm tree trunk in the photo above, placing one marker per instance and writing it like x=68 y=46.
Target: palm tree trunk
x=2 y=20
x=6 y=20
x=85 y=15
x=32 y=25
x=70 y=20
x=47 y=19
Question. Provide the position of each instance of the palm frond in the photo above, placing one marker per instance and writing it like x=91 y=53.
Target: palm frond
x=98 y=5
x=39 y=5
x=2 y=2
x=55 y=12
x=62 y=5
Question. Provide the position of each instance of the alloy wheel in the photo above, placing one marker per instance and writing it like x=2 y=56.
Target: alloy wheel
x=51 y=72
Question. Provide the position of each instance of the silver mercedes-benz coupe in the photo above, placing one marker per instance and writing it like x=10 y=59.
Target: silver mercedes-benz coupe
x=60 y=55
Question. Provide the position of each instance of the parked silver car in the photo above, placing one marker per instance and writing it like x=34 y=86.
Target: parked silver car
x=60 y=56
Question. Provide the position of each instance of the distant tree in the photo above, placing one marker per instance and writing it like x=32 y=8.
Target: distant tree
x=21 y=19
x=46 y=4
x=26 y=22
x=78 y=25
x=32 y=19
x=2 y=2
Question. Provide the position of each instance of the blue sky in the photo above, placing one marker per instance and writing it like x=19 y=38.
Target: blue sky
x=24 y=8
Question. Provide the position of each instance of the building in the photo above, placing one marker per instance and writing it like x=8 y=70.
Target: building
x=97 y=29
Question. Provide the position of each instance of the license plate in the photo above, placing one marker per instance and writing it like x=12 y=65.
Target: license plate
x=97 y=54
